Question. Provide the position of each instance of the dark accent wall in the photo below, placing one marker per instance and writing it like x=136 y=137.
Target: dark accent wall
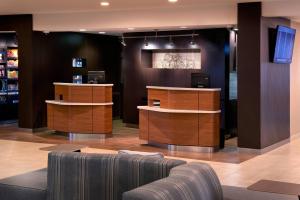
x=263 y=87
x=249 y=25
x=22 y=24
x=214 y=45
x=53 y=55
x=275 y=90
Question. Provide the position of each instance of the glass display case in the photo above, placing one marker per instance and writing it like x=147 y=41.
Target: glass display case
x=9 y=74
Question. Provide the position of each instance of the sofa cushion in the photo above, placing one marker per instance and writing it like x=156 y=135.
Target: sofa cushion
x=142 y=153
x=193 y=181
x=26 y=186
x=102 y=176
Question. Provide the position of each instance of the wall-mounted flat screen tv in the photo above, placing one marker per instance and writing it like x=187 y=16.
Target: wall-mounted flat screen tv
x=284 y=45
x=79 y=62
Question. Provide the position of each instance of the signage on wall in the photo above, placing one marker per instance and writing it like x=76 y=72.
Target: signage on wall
x=176 y=60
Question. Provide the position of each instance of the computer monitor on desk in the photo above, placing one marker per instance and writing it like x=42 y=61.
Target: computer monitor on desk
x=200 y=80
x=96 y=77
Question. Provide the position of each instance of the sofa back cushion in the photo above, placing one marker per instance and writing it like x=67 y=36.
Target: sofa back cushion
x=79 y=176
x=193 y=181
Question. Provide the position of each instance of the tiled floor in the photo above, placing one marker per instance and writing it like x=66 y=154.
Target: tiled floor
x=123 y=138
x=282 y=164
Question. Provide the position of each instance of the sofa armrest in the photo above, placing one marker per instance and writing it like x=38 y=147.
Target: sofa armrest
x=193 y=181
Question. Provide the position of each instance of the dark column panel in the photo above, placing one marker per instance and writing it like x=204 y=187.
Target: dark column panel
x=263 y=87
x=249 y=24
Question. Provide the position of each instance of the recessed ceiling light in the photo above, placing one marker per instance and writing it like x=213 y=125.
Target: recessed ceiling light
x=130 y=28
x=183 y=27
x=172 y=1
x=102 y=32
x=104 y=3
x=82 y=29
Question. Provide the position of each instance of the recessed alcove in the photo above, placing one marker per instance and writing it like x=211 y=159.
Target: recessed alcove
x=171 y=58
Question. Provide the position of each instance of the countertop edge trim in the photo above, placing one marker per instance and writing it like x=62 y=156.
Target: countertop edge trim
x=83 y=85
x=77 y=104
x=184 y=89
x=164 y=110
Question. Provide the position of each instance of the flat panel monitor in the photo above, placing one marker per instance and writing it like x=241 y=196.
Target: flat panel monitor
x=200 y=80
x=78 y=62
x=96 y=77
x=284 y=45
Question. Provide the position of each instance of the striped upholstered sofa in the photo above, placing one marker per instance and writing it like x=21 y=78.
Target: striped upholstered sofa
x=79 y=176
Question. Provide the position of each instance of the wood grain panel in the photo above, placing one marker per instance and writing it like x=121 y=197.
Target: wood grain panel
x=50 y=116
x=209 y=100
x=161 y=95
x=102 y=119
x=61 y=90
x=102 y=94
x=209 y=130
x=185 y=100
x=61 y=118
x=179 y=129
x=81 y=94
x=80 y=119
x=143 y=125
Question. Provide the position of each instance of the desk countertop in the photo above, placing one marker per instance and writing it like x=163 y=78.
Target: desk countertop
x=84 y=85
x=184 y=89
x=64 y=103
x=164 y=110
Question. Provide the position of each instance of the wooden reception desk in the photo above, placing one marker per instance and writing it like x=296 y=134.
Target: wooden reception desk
x=181 y=117
x=81 y=108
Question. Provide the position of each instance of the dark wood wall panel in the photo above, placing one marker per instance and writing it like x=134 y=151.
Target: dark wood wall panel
x=275 y=90
x=249 y=24
x=263 y=87
x=53 y=55
x=135 y=76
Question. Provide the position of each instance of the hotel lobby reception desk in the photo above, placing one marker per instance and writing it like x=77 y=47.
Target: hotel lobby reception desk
x=81 y=108
x=181 y=117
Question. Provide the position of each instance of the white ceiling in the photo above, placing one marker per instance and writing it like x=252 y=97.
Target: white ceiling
x=72 y=15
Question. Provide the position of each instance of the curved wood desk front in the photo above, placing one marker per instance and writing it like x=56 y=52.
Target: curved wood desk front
x=185 y=117
x=81 y=108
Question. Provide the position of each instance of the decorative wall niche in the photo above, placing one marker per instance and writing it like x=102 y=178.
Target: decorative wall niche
x=171 y=58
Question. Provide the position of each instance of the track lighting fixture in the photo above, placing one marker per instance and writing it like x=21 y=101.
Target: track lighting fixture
x=123 y=41
x=171 y=43
x=146 y=42
x=192 y=42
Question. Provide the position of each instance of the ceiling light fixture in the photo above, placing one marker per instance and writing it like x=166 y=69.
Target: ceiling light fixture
x=104 y=3
x=102 y=32
x=172 y=1
x=183 y=27
x=82 y=29
x=130 y=28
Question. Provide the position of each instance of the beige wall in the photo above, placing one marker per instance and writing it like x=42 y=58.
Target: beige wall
x=142 y=19
x=295 y=84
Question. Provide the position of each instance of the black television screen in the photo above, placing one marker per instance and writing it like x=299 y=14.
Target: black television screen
x=284 y=45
